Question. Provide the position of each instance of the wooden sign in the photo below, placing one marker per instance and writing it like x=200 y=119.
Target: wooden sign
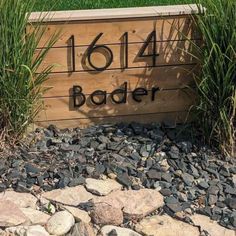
x=119 y=65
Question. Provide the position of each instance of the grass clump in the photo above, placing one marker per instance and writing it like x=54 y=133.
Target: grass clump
x=216 y=83
x=20 y=85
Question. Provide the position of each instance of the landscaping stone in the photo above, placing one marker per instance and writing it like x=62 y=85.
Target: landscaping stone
x=17 y=231
x=78 y=214
x=82 y=229
x=60 y=223
x=137 y=156
x=231 y=202
x=102 y=187
x=111 y=230
x=36 y=217
x=10 y=214
x=71 y=196
x=23 y=200
x=135 y=204
x=165 y=226
x=210 y=226
x=104 y=214
x=36 y=230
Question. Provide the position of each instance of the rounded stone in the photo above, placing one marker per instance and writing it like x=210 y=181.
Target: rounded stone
x=106 y=214
x=60 y=223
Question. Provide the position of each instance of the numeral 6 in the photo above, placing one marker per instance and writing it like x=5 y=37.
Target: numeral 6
x=93 y=47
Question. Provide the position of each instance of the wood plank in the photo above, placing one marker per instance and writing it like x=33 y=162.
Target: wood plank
x=167 y=28
x=164 y=77
x=165 y=101
x=174 y=52
x=115 y=13
x=168 y=118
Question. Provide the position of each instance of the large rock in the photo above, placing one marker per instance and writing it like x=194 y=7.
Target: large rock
x=165 y=226
x=105 y=214
x=82 y=229
x=60 y=223
x=102 y=187
x=10 y=214
x=212 y=227
x=69 y=196
x=78 y=214
x=36 y=217
x=135 y=204
x=20 y=199
x=118 y=231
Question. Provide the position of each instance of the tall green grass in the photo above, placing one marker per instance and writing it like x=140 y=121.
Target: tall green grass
x=20 y=85
x=216 y=85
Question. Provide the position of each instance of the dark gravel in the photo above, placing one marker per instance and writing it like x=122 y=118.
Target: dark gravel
x=188 y=174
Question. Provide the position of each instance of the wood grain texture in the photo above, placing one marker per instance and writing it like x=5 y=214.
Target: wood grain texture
x=173 y=52
x=173 y=72
x=164 y=77
x=167 y=28
x=170 y=118
x=165 y=101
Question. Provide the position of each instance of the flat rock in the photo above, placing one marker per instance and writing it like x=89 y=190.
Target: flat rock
x=69 y=196
x=165 y=226
x=78 y=214
x=82 y=229
x=118 y=231
x=135 y=204
x=211 y=226
x=102 y=187
x=36 y=217
x=105 y=214
x=20 y=199
x=60 y=223
x=10 y=214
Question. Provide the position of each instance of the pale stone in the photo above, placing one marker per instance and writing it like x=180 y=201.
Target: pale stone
x=105 y=231
x=36 y=230
x=165 y=226
x=112 y=176
x=36 y=217
x=135 y=204
x=102 y=187
x=164 y=165
x=60 y=223
x=105 y=214
x=212 y=227
x=10 y=214
x=18 y=230
x=78 y=214
x=69 y=196
x=82 y=229
x=20 y=199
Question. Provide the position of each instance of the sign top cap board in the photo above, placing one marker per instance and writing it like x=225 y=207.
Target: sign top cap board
x=116 y=13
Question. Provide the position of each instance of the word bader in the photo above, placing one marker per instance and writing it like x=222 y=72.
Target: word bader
x=118 y=96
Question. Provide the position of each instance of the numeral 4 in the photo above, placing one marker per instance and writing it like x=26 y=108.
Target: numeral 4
x=151 y=40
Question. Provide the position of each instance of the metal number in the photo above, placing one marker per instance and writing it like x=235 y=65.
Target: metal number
x=150 y=39
x=93 y=47
x=72 y=38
